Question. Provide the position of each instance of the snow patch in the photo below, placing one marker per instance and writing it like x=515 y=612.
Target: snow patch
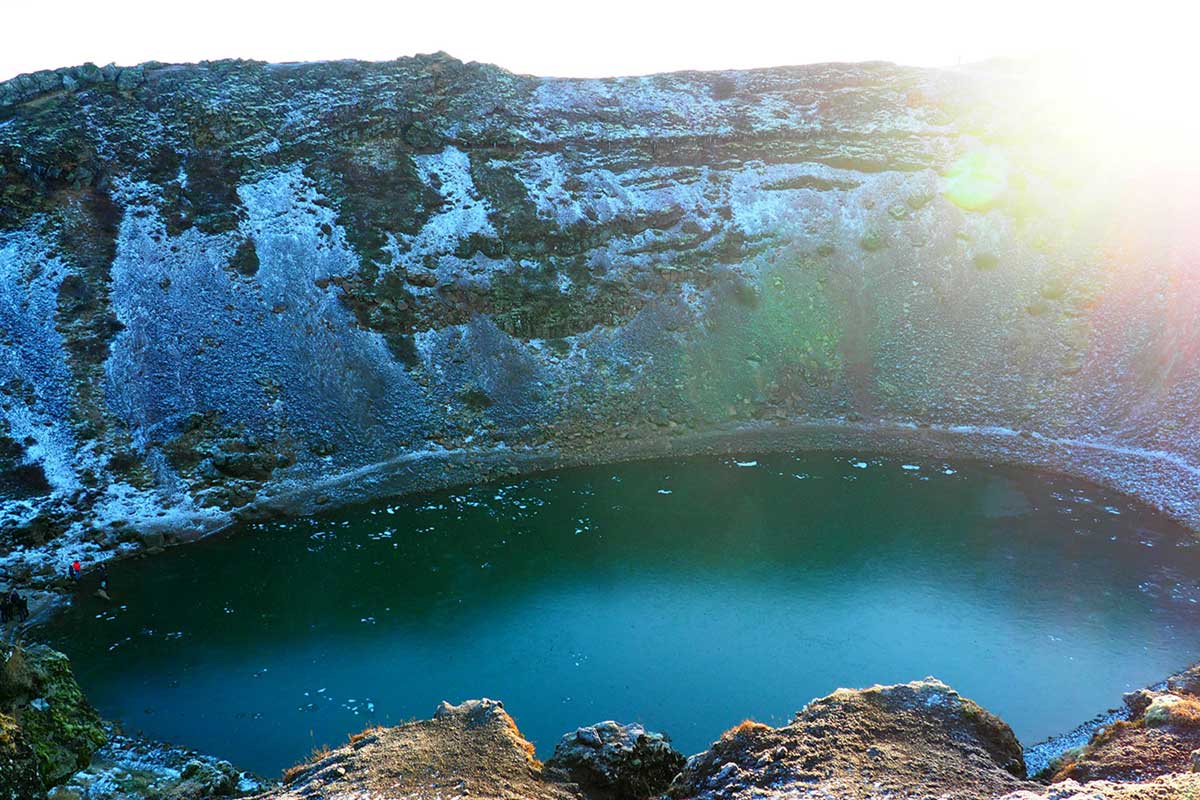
x=464 y=212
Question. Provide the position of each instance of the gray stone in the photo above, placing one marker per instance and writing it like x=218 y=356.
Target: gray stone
x=618 y=761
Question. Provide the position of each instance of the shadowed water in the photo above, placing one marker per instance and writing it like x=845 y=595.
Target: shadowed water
x=687 y=595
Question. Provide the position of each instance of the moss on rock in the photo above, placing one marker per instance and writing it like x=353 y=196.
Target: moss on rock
x=42 y=709
x=19 y=776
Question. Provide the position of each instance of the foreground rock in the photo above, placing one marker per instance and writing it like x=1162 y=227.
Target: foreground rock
x=610 y=760
x=914 y=740
x=473 y=749
x=919 y=739
x=48 y=730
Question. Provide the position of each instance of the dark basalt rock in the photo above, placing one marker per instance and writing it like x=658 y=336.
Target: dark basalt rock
x=623 y=762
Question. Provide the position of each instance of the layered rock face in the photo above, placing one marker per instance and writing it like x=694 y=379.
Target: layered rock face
x=234 y=284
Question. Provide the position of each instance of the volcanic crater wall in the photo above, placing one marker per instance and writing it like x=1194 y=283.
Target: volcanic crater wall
x=228 y=284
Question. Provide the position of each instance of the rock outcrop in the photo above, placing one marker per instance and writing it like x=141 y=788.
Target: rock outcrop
x=234 y=286
x=48 y=730
x=611 y=760
x=913 y=740
x=1160 y=735
x=1148 y=750
x=469 y=750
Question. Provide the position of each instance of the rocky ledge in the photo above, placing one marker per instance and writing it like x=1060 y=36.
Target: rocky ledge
x=915 y=740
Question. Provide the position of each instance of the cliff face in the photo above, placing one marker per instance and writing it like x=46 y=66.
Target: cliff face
x=225 y=284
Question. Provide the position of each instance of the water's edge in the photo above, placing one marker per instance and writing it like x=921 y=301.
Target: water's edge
x=1160 y=480
x=1163 y=481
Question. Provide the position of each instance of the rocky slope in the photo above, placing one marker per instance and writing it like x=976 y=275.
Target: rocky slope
x=233 y=286
x=919 y=739
x=915 y=740
x=473 y=749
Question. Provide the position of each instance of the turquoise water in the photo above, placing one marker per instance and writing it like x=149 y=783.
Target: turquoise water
x=687 y=595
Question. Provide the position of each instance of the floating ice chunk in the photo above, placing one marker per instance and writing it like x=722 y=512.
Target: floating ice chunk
x=1112 y=510
x=664 y=491
x=909 y=466
x=948 y=471
x=746 y=463
x=858 y=464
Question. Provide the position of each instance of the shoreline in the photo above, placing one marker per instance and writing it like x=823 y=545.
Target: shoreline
x=1161 y=481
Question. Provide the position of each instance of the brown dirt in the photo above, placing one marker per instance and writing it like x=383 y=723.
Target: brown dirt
x=1159 y=737
x=470 y=750
x=920 y=739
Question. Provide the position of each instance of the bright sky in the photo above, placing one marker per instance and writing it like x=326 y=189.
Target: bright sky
x=572 y=38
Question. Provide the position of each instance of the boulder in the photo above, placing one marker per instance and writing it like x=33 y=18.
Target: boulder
x=618 y=761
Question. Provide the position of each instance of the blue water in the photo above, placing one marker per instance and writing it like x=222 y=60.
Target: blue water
x=687 y=595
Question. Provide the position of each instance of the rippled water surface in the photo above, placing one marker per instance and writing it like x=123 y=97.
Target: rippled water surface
x=687 y=595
